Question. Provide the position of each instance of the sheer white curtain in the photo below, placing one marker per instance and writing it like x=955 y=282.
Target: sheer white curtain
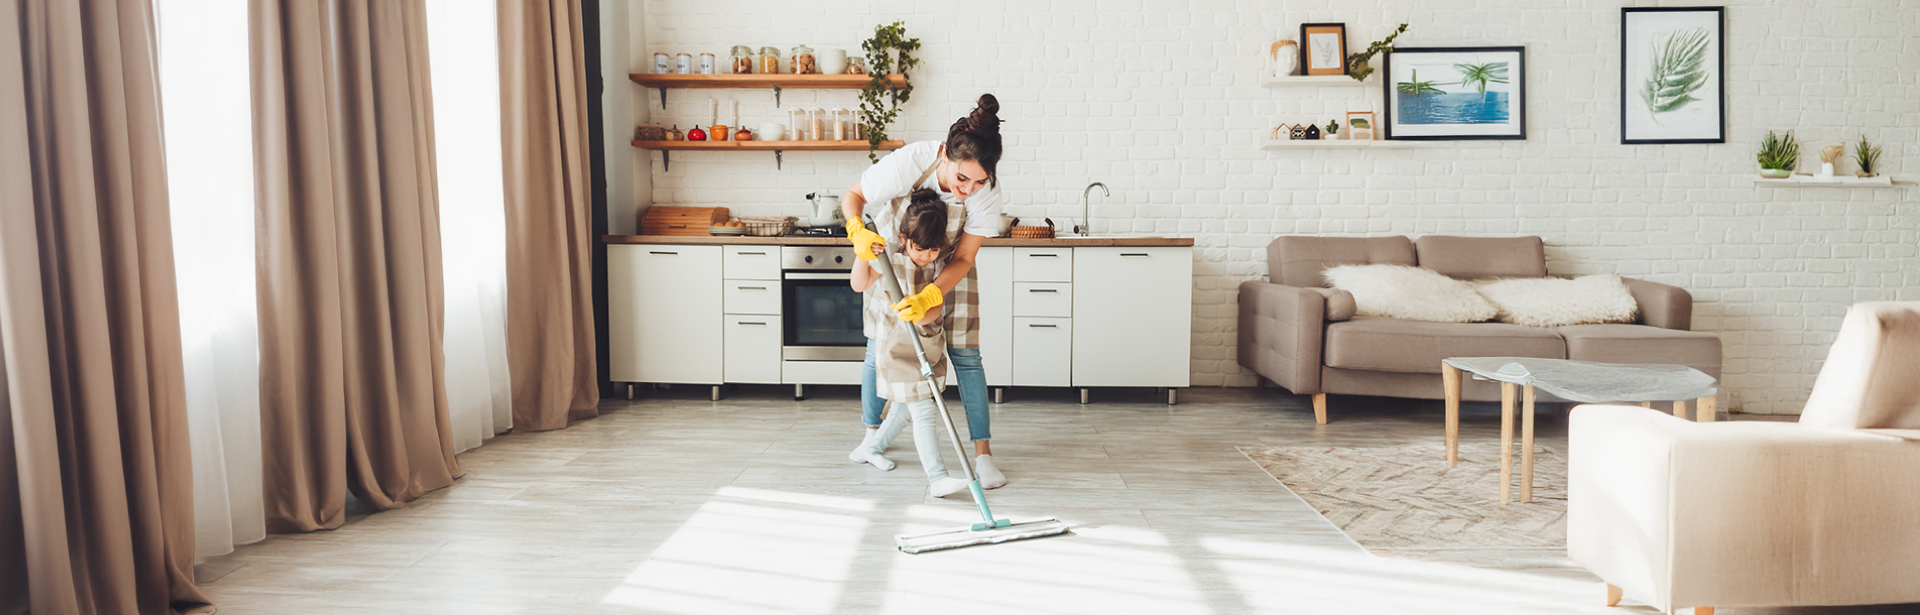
x=208 y=116
x=463 y=48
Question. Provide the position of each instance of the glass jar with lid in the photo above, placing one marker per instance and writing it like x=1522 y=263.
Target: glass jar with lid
x=803 y=62
x=742 y=60
x=769 y=60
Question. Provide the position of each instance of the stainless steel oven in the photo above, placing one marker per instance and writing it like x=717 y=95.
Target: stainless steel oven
x=820 y=311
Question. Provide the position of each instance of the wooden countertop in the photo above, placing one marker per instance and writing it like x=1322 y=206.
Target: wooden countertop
x=742 y=240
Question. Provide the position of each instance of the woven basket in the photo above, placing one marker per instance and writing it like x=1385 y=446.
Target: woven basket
x=1033 y=232
x=649 y=133
x=767 y=226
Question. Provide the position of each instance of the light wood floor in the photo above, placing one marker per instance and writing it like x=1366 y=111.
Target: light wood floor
x=676 y=504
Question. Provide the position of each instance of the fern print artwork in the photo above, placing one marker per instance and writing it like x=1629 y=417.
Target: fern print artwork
x=1677 y=69
x=1672 y=75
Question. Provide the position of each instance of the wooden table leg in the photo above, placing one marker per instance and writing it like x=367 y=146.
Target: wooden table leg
x=1526 y=448
x=1707 y=411
x=1680 y=409
x=1450 y=380
x=1506 y=441
x=1646 y=404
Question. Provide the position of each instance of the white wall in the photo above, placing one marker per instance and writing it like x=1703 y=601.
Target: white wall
x=1161 y=101
x=617 y=112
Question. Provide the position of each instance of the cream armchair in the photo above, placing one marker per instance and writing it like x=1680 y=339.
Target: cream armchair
x=1680 y=514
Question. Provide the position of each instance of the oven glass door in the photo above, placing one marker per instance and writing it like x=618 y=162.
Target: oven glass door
x=822 y=313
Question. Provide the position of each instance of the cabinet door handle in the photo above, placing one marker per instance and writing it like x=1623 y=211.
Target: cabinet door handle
x=1043 y=290
x=752 y=288
x=1044 y=255
x=756 y=324
x=752 y=253
x=1044 y=326
x=1137 y=254
x=669 y=253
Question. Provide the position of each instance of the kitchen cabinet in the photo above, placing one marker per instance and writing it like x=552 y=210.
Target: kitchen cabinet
x=995 y=267
x=664 y=313
x=752 y=348
x=1132 y=316
x=1042 y=351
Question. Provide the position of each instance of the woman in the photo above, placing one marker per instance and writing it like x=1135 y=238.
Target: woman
x=961 y=170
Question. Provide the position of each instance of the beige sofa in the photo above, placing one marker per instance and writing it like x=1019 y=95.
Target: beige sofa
x=1306 y=338
x=1825 y=512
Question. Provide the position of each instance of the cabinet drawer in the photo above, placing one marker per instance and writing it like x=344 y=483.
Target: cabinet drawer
x=752 y=349
x=1042 y=352
x=752 y=263
x=1043 y=299
x=751 y=296
x=1043 y=264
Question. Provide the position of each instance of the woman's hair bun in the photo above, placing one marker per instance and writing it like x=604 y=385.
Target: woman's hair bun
x=985 y=118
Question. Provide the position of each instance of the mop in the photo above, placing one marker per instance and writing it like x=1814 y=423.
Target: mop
x=989 y=530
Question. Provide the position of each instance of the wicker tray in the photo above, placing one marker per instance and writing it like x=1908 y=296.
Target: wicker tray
x=767 y=226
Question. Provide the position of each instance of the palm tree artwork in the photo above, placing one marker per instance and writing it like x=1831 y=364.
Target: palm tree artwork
x=1415 y=87
x=1479 y=75
x=1678 y=69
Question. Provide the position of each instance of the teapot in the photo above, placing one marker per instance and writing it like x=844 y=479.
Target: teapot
x=826 y=209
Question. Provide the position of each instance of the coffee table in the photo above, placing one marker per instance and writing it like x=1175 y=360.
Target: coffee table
x=1580 y=381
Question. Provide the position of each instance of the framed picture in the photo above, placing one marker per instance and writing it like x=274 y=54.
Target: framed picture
x=1323 y=48
x=1455 y=93
x=1673 y=75
x=1360 y=125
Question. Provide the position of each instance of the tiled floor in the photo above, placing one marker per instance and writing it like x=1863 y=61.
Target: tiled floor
x=676 y=504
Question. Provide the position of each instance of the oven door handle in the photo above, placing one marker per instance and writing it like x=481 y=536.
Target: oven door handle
x=843 y=275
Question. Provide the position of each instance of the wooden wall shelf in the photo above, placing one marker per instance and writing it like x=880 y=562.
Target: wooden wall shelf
x=777 y=82
x=777 y=147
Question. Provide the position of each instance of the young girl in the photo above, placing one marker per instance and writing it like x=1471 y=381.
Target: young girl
x=922 y=241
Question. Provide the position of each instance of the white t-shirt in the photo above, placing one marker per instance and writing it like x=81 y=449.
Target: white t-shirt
x=888 y=180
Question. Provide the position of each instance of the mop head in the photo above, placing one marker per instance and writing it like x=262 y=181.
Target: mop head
x=967 y=537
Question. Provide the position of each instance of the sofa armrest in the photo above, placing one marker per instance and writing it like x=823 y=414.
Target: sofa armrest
x=1682 y=514
x=1280 y=333
x=1340 y=304
x=1663 y=306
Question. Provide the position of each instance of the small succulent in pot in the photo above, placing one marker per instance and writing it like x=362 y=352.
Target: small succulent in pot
x=1333 y=129
x=1867 y=155
x=1778 y=155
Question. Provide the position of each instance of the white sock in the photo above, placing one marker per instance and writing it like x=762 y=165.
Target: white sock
x=990 y=476
x=946 y=486
x=867 y=452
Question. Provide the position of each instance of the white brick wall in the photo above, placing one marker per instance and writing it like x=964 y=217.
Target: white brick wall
x=1160 y=100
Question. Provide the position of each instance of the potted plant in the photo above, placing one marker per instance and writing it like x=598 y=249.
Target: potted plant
x=889 y=52
x=1867 y=155
x=1333 y=131
x=1778 y=155
x=1357 y=66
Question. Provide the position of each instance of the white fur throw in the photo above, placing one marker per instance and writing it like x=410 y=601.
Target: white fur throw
x=1558 y=302
x=1409 y=293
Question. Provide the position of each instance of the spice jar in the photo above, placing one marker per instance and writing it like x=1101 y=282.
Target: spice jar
x=813 y=124
x=682 y=64
x=803 y=63
x=796 y=124
x=769 y=60
x=707 y=66
x=662 y=64
x=840 y=125
x=742 y=60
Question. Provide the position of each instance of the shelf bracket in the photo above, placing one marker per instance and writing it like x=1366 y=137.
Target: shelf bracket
x=776 y=157
x=776 y=96
x=666 y=160
x=663 y=97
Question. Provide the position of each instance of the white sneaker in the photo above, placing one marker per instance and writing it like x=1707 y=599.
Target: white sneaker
x=944 y=487
x=990 y=476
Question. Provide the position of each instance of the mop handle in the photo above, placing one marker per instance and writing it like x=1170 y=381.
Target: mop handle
x=897 y=292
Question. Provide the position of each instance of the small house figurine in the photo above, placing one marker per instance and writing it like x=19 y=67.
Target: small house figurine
x=1312 y=134
x=1298 y=132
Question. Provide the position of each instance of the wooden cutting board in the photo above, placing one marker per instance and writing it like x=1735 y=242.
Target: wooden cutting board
x=660 y=220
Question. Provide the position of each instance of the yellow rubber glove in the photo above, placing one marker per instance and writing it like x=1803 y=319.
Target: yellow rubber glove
x=915 y=307
x=863 y=239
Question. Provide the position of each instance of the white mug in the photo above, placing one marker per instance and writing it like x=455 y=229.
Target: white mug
x=833 y=61
x=772 y=131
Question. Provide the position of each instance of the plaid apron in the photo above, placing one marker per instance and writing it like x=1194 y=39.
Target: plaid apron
x=895 y=364
x=961 y=308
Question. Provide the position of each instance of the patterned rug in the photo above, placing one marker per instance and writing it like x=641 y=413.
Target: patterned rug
x=1406 y=500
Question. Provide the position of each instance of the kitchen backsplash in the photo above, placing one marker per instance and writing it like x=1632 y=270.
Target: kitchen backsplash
x=1162 y=101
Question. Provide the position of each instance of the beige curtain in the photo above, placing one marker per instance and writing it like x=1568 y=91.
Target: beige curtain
x=96 y=498
x=543 y=124
x=352 y=389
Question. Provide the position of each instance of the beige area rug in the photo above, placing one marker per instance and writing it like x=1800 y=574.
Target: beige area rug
x=1406 y=501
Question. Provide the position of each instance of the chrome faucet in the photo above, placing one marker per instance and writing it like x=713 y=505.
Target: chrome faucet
x=1086 y=209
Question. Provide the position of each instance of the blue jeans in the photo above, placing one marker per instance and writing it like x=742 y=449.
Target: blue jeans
x=973 y=390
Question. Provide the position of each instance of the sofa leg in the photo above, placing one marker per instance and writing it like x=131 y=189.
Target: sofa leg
x=1613 y=595
x=1320 y=408
x=1702 y=610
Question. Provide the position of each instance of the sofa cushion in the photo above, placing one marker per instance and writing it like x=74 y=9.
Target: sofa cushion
x=1621 y=343
x=1409 y=293
x=1559 y=302
x=1298 y=260
x=1473 y=258
x=1385 y=344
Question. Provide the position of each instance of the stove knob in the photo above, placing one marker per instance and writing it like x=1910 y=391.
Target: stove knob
x=809 y=259
x=837 y=259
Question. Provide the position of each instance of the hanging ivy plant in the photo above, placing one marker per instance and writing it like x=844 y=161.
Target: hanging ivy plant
x=880 y=101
